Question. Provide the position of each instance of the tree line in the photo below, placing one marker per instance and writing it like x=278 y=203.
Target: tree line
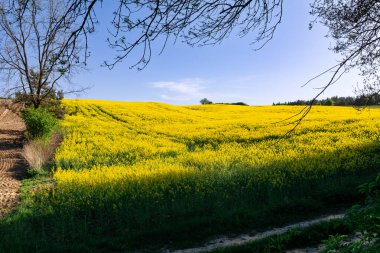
x=361 y=100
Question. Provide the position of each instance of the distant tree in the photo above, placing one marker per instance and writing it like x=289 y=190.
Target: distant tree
x=338 y=101
x=233 y=103
x=328 y=102
x=205 y=101
x=39 y=45
x=239 y=103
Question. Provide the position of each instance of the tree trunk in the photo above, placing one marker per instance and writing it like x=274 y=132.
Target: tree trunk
x=36 y=104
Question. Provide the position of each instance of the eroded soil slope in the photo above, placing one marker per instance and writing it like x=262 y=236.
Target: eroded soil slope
x=12 y=163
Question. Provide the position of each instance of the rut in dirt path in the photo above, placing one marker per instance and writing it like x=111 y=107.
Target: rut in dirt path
x=12 y=163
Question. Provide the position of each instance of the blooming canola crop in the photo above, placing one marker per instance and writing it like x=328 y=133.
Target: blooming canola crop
x=194 y=158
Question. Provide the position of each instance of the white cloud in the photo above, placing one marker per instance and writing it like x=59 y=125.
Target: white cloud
x=217 y=90
x=186 y=89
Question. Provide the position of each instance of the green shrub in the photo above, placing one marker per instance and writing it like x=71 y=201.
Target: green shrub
x=39 y=122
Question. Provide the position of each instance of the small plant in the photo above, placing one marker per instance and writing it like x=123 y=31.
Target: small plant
x=334 y=243
x=39 y=122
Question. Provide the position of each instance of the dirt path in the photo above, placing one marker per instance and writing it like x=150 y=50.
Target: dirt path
x=224 y=241
x=12 y=163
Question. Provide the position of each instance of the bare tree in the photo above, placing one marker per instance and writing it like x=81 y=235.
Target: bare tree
x=41 y=42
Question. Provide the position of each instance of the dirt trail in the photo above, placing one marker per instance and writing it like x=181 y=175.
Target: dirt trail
x=244 y=238
x=12 y=163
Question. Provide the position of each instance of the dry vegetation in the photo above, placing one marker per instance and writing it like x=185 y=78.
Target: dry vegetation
x=39 y=152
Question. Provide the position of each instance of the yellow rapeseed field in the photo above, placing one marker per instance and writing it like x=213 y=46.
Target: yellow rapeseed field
x=154 y=151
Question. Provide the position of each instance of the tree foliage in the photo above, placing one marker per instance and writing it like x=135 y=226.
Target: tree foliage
x=39 y=122
x=205 y=101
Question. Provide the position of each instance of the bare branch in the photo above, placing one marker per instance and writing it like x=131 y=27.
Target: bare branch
x=196 y=22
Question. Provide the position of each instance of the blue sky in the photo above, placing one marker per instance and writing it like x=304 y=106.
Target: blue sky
x=232 y=71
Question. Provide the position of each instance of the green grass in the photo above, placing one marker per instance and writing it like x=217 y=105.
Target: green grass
x=295 y=238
